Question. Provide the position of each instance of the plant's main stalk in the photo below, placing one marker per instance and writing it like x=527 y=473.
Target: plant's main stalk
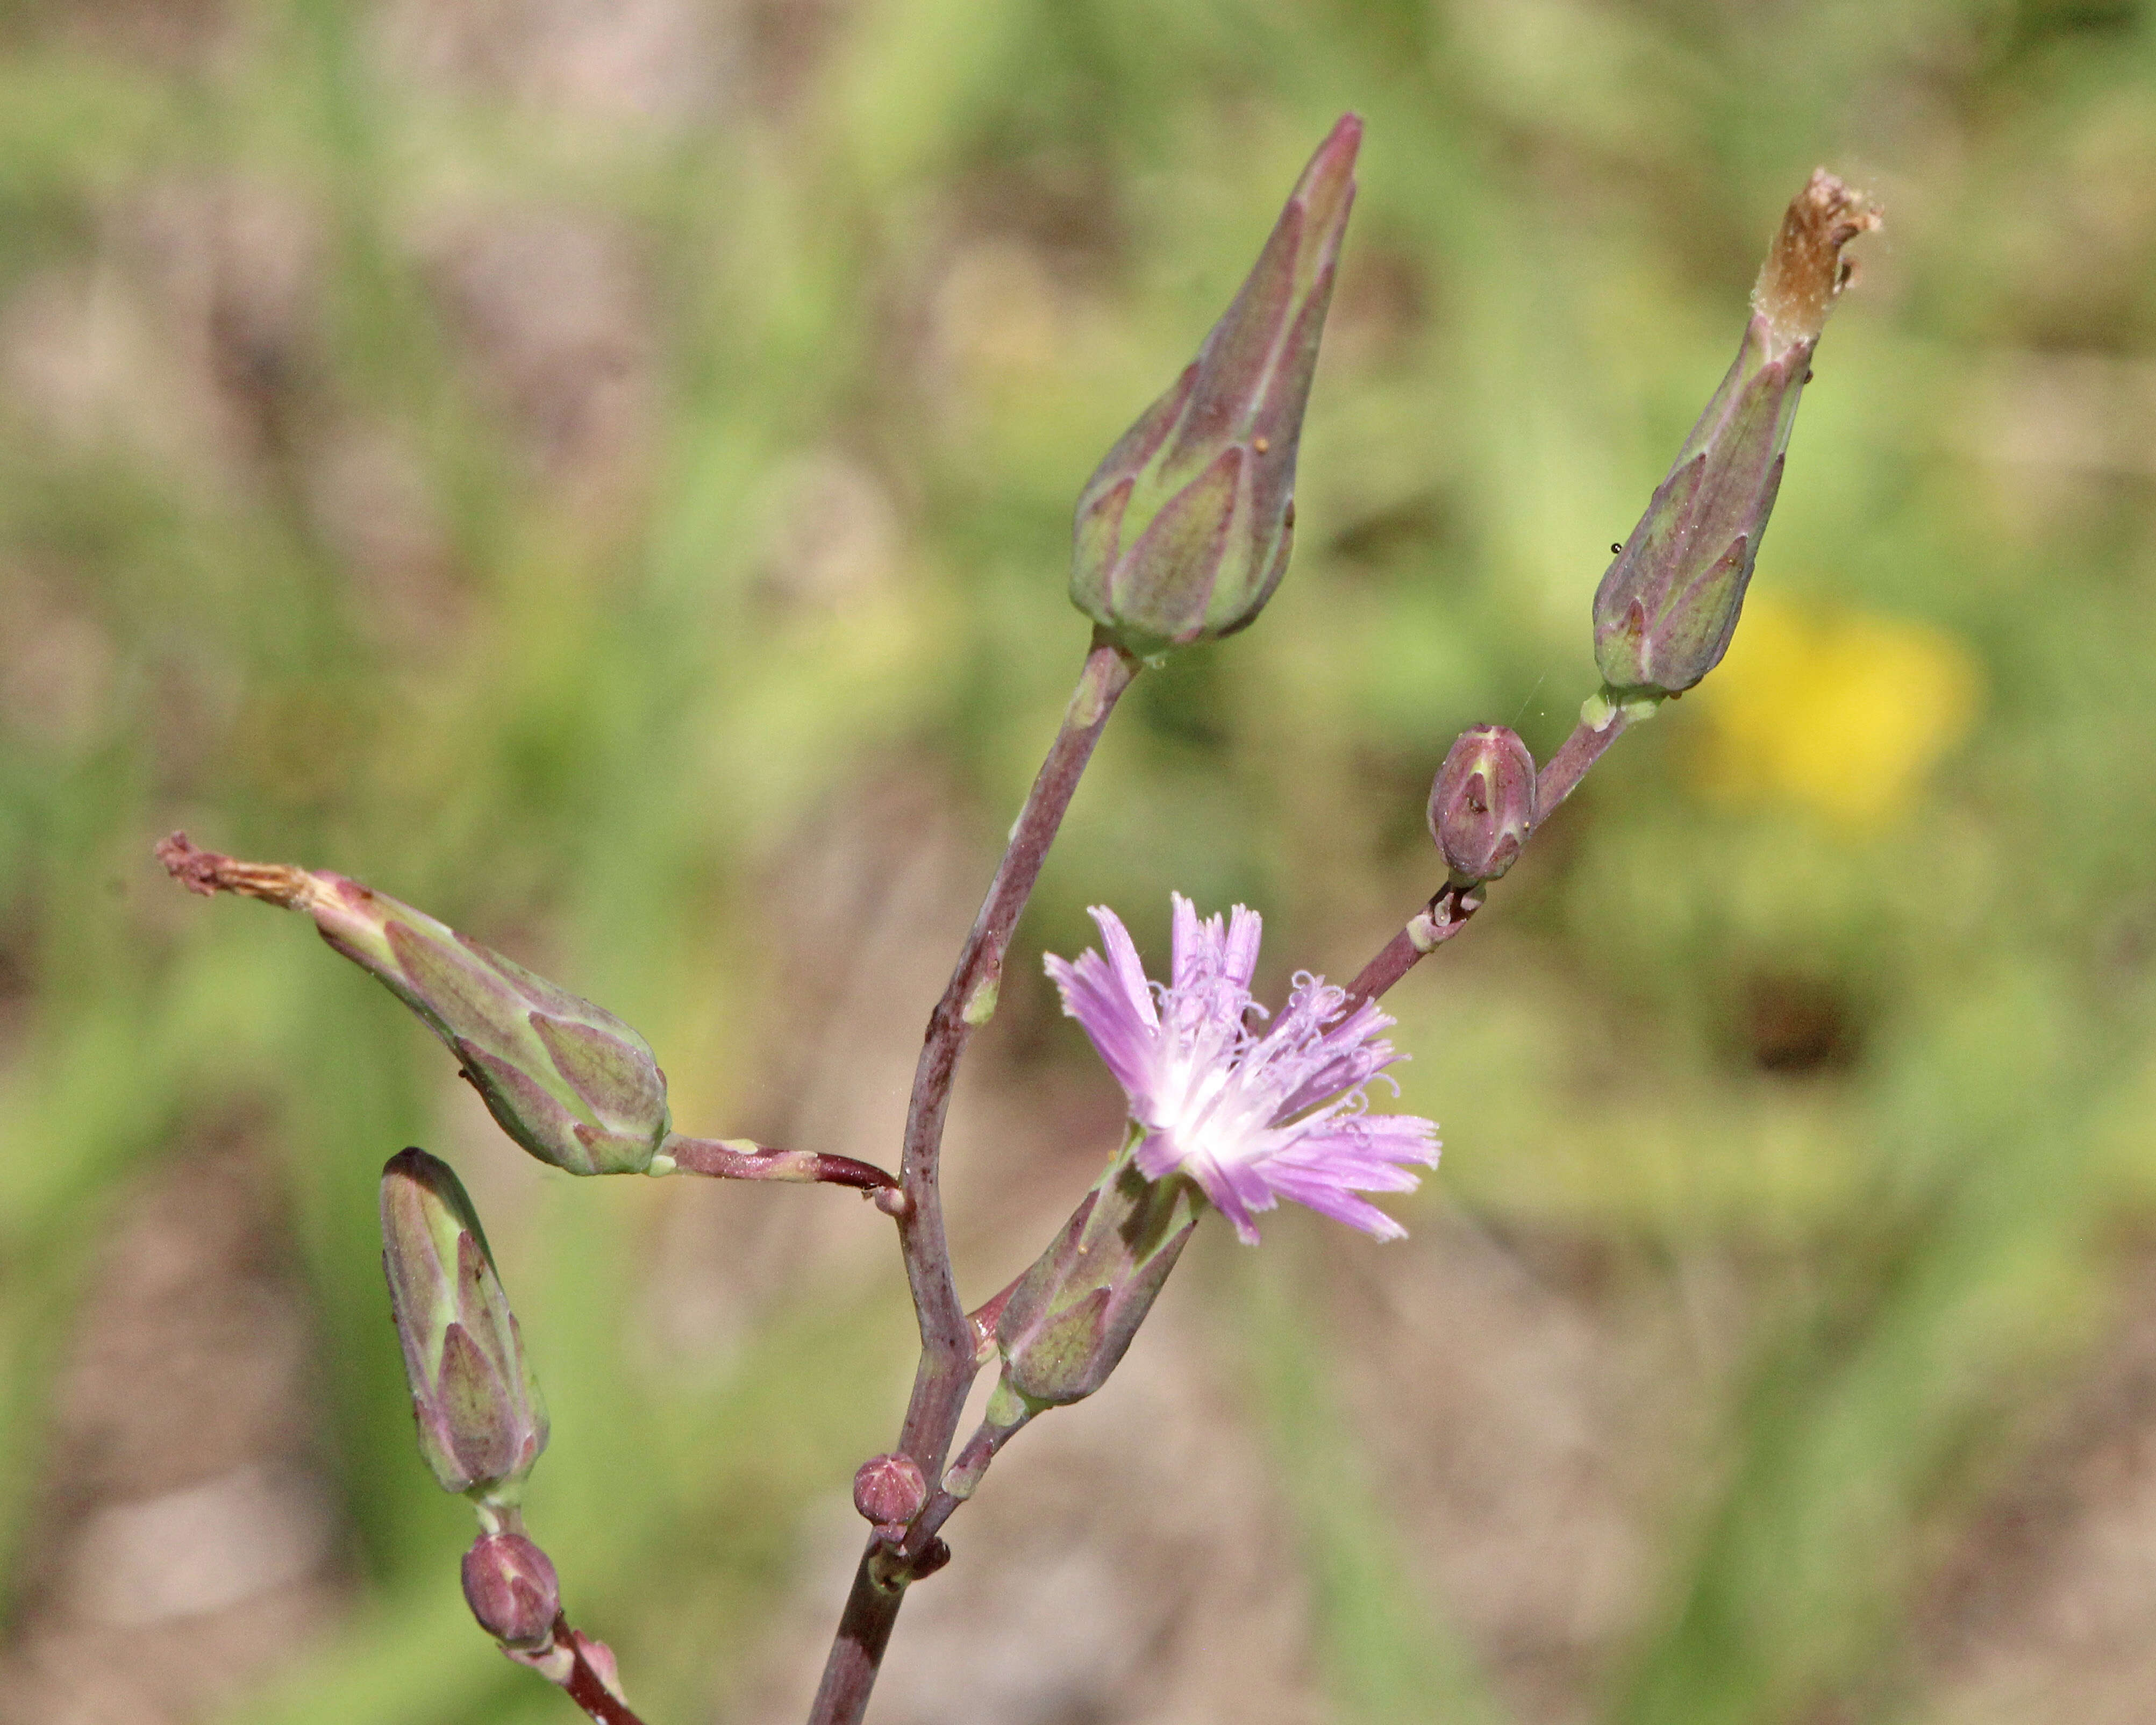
x=949 y=1354
x=1182 y=535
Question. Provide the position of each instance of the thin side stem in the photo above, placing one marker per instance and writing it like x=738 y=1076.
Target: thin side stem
x=566 y=1662
x=739 y=1159
x=1569 y=764
x=588 y=1690
x=981 y=1449
x=1443 y=917
x=1447 y=913
x=948 y=1352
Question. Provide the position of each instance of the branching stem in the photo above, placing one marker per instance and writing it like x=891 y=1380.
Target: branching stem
x=951 y=1341
x=949 y=1356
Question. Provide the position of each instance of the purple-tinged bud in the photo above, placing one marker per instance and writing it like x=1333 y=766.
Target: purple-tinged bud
x=513 y=1590
x=890 y=1490
x=482 y=1422
x=1068 y=1321
x=1482 y=805
x=1184 y=532
x=1667 y=607
x=568 y=1081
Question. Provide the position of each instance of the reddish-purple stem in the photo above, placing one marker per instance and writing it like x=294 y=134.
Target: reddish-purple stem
x=980 y=1450
x=948 y=1357
x=585 y=1686
x=723 y=1161
x=950 y=1338
x=1443 y=917
x=1569 y=764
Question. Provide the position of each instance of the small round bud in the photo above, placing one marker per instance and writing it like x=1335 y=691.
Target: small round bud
x=1482 y=805
x=889 y=1490
x=513 y=1590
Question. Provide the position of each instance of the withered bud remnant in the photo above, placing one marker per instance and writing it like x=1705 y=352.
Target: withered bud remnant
x=1666 y=608
x=566 y=1080
x=1806 y=272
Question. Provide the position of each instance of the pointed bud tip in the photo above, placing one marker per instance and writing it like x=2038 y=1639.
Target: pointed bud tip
x=1804 y=271
x=1184 y=532
x=1337 y=151
x=413 y=1164
x=1328 y=186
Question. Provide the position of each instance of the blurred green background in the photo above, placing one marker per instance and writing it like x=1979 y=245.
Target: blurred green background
x=600 y=469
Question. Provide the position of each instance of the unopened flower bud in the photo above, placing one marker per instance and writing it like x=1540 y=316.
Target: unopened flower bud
x=568 y=1081
x=482 y=1422
x=513 y=1590
x=1667 y=607
x=889 y=1490
x=1070 y=1319
x=1184 y=532
x=1482 y=805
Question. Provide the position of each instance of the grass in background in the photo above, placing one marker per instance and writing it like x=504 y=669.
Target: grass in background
x=317 y=536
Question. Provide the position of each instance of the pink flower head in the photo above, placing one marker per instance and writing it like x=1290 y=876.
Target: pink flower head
x=1251 y=1118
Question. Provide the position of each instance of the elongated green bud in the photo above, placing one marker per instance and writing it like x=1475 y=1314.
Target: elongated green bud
x=566 y=1080
x=482 y=1422
x=1068 y=1322
x=1667 y=607
x=1184 y=530
x=1064 y=1324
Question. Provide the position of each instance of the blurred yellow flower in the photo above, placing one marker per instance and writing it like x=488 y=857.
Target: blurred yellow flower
x=1843 y=712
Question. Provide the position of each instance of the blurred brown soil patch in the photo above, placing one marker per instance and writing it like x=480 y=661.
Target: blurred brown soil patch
x=2044 y=1610
x=185 y=1537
